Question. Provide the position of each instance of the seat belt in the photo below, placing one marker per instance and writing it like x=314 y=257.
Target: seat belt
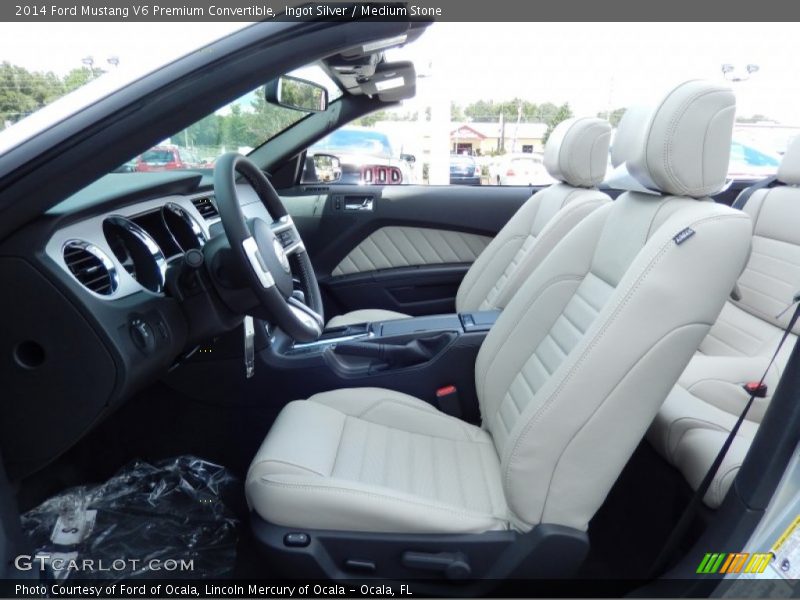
x=679 y=531
x=742 y=198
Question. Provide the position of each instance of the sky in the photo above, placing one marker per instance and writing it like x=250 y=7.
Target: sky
x=592 y=66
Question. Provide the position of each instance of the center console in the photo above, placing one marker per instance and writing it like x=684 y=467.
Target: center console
x=430 y=357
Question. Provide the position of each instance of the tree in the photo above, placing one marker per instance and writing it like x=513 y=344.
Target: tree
x=23 y=92
x=614 y=117
x=562 y=113
x=79 y=77
x=756 y=118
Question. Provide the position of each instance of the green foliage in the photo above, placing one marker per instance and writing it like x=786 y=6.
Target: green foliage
x=756 y=118
x=489 y=111
x=23 y=92
x=562 y=113
x=239 y=127
x=614 y=117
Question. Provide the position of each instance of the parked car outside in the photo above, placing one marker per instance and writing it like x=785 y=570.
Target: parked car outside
x=464 y=170
x=519 y=169
x=364 y=154
x=168 y=158
x=749 y=162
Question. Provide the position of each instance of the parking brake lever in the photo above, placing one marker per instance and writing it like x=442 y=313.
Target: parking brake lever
x=399 y=355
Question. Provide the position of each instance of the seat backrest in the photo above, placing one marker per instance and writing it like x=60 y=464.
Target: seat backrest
x=580 y=360
x=772 y=275
x=575 y=154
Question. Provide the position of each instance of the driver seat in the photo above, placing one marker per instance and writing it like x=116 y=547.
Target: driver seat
x=568 y=379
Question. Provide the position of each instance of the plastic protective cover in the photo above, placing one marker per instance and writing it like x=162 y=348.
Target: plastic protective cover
x=166 y=519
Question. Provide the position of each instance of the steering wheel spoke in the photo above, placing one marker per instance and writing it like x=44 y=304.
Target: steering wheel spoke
x=287 y=234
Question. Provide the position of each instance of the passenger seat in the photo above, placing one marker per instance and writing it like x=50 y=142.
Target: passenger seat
x=703 y=407
x=576 y=154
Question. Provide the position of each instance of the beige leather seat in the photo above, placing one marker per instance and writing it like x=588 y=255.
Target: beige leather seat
x=568 y=379
x=701 y=410
x=575 y=155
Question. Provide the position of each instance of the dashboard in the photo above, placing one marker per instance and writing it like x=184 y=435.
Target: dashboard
x=89 y=316
x=128 y=250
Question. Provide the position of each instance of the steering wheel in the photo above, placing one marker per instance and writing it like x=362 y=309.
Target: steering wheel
x=263 y=250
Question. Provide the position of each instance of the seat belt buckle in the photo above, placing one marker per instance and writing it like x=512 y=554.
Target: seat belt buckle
x=756 y=389
x=447 y=399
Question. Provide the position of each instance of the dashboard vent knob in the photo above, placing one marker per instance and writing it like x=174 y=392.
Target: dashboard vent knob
x=91 y=267
x=206 y=207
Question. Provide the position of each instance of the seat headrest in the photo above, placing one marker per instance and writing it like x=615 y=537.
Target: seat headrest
x=577 y=151
x=789 y=170
x=686 y=143
x=629 y=133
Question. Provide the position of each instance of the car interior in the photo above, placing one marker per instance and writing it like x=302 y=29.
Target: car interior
x=408 y=382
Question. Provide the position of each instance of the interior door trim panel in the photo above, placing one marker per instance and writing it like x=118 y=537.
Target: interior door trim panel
x=393 y=246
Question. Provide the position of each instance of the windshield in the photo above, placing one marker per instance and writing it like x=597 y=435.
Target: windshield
x=240 y=126
x=41 y=71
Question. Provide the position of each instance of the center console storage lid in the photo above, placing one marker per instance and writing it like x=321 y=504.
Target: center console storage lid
x=418 y=324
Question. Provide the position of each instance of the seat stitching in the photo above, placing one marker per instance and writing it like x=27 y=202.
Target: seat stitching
x=713 y=426
x=489 y=259
x=463 y=513
x=289 y=464
x=720 y=479
x=768 y=275
x=339 y=444
x=545 y=286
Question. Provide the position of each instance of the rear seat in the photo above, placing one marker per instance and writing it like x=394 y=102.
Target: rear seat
x=703 y=407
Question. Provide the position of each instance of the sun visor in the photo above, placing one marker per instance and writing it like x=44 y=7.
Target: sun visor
x=392 y=82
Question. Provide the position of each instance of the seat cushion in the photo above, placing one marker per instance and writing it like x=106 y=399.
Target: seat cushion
x=367 y=315
x=370 y=459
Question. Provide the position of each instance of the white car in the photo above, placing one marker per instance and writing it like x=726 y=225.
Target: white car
x=519 y=169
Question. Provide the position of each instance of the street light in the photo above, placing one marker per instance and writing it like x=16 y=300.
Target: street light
x=730 y=73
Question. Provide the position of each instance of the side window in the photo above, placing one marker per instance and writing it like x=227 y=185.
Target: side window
x=483 y=143
x=399 y=153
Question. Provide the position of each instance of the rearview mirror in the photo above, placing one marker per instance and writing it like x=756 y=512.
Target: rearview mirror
x=295 y=93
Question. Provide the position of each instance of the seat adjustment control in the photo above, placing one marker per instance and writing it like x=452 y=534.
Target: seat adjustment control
x=454 y=565
x=296 y=539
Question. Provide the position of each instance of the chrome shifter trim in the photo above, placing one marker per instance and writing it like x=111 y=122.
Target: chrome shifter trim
x=249 y=347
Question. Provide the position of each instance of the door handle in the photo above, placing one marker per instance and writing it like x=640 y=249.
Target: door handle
x=359 y=203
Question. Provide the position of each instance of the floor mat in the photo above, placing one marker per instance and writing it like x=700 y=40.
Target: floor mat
x=172 y=518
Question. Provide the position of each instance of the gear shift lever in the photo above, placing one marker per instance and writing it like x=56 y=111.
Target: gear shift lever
x=249 y=347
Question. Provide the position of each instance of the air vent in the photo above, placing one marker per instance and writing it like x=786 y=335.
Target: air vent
x=205 y=206
x=316 y=189
x=91 y=267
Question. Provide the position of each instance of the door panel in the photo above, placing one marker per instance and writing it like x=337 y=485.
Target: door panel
x=403 y=248
x=393 y=247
